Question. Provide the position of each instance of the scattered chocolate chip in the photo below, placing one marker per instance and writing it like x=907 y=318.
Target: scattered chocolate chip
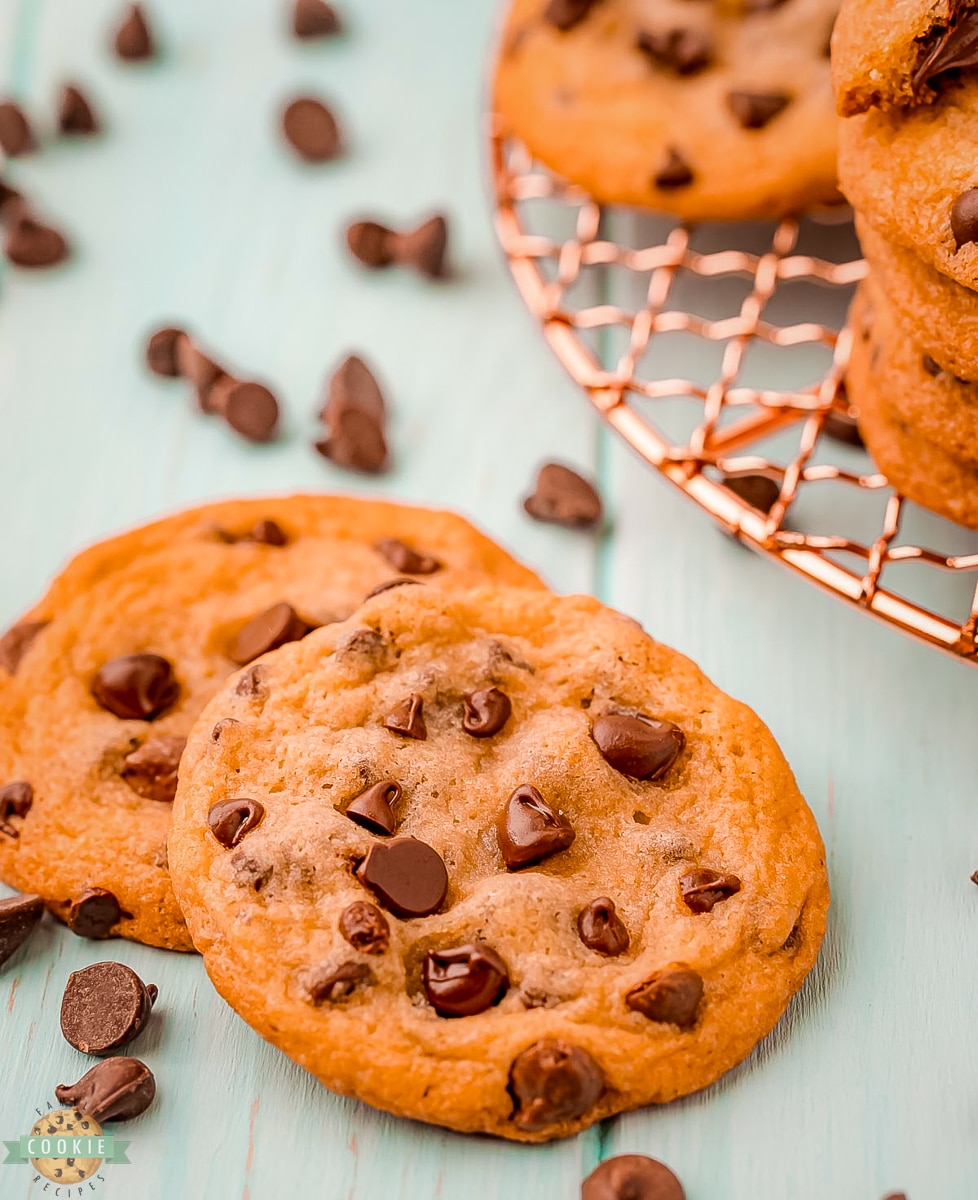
x=15 y=801
x=327 y=985
x=93 y=914
x=703 y=888
x=843 y=427
x=230 y=820
x=365 y=927
x=529 y=830
x=964 y=218
x=355 y=413
x=408 y=877
x=683 y=51
x=552 y=1082
x=311 y=130
x=133 y=36
x=314 y=19
x=151 y=770
x=31 y=243
x=248 y=408
x=423 y=248
x=754 y=110
x=114 y=1090
x=11 y=201
x=201 y=372
x=269 y=630
x=632 y=1177
x=974 y=878
x=15 y=132
x=136 y=687
x=388 y=584
x=16 y=642
x=104 y=1007
x=565 y=14
x=19 y=917
x=374 y=808
x=562 y=497
x=464 y=980
x=76 y=117
x=249 y=871
x=353 y=386
x=407 y=718
x=671 y=996
x=641 y=747
x=895 y=1196
x=162 y=348
x=251 y=684
x=486 y=712
x=674 y=173
x=402 y=558
x=602 y=929
x=758 y=491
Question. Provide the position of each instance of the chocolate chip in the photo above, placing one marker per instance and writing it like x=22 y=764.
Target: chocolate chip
x=249 y=871
x=222 y=726
x=407 y=718
x=632 y=1177
x=758 y=491
x=248 y=408
x=703 y=888
x=402 y=558
x=423 y=248
x=105 y=1006
x=76 y=117
x=552 y=1082
x=365 y=927
x=262 y=533
x=602 y=929
x=93 y=914
x=151 y=770
x=355 y=413
x=562 y=497
x=408 y=877
x=162 y=348
x=16 y=642
x=674 y=173
x=273 y=628
x=671 y=996
x=230 y=820
x=115 y=1090
x=200 y=371
x=15 y=801
x=565 y=14
x=15 y=132
x=251 y=684
x=388 y=584
x=754 y=110
x=374 y=808
x=842 y=427
x=640 y=747
x=932 y=368
x=314 y=19
x=529 y=830
x=486 y=712
x=311 y=130
x=136 y=687
x=11 y=201
x=974 y=878
x=324 y=985
x=464 y=980
x=952 y=47
x=31 y=243
x=371 y=243
x=964 y=218
x=683 y=51
x=133 y=36
x=19 y=917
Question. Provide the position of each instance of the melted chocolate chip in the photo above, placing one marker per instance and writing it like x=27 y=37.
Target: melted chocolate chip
x=641 y=747
x=311 y=130
x=374 y=808
x=388 y=584
x=93 y=914
x=269 y=630
x=151 y=771
x=562 y=497
x=134 y=39
x=17 y=641
x=249 y=871
x=486 y=712
x=703 y=888
x=115 y=1090
x=16 y=137
x=464 y=980
x=951 y=47
x=76 y=117
x=671 y=996
x=314 y=19
x=674 y=173
x=31 y=243
x=402 y=558
x=682 y=51
x=552 y=1082
x=328 y=985
x=162 y=351
x=754 y=110
x=230 y=820
x=964 y=218
x=19 y=917
x=565 y=14
x=602 y=929
x=104 y=1007
x=407 y=718
x=529 y=830
x=408 y=877
x=15 y=801
x=376 y=246
x=632 y=1177
x=365 y=927
x=136 y=687
x=222 y=727
x=251 y=684
x=759 y=491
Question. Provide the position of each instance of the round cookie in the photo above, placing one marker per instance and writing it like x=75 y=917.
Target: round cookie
x=95 y=735
x=498 y=861
x=918 y=469
x=708 y=110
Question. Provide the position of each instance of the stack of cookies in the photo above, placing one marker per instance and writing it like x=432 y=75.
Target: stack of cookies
x=470 y=851
x=905 y=80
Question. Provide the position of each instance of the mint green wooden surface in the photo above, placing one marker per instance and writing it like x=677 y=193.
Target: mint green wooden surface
x=190 y=208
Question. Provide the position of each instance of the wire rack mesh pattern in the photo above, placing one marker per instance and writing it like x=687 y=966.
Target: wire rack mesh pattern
x=622 y=299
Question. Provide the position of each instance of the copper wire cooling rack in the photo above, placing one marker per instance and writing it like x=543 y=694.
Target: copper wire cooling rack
x=608 y=290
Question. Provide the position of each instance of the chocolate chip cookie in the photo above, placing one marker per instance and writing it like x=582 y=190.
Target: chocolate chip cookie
x=711 y=110
x=101 y=683
x=496 y=860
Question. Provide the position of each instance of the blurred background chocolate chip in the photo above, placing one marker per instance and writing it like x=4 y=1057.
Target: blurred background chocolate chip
x=16 y=135
x=424 y=247
x=133 y=41
x=76 y=116
x=314 y=19
x=162 y=352
x=563 y=497
x=311 y=129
